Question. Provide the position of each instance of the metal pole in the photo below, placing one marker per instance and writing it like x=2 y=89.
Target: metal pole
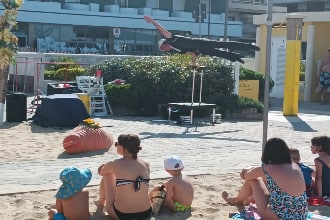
x=269 y=23
x=201 y=87
x=193 y=87
x=209 y=20
x=200 y=18
x=226 y=21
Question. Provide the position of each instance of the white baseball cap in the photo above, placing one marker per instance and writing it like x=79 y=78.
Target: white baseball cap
x=173 y=163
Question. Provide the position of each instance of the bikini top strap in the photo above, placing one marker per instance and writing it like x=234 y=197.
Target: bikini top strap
x=120 y=182
x=321 y=161
x=138 y=181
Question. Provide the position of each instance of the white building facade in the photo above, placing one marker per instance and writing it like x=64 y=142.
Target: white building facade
x=118 y=27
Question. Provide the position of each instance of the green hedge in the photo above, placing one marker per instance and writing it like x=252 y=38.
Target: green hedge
x=160 y=80
x=230 y=103
x=64 y=74
x=121 y=94
x=66 y=69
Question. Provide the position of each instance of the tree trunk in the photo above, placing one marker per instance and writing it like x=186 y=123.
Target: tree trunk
x=3 y=90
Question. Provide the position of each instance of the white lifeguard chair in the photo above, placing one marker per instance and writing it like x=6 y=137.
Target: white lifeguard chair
x=93 y=86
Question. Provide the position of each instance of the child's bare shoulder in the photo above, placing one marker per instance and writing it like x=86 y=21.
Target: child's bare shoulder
x=170 y=182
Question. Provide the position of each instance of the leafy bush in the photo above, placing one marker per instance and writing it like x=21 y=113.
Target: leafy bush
x=66 y=69
x=225 y=103
x=246 y=74
x=302 y=71
x=230 y=103
x=64 y=74
x=117 y=68
x=121 y=94
x=160 y=80
x=244 y=102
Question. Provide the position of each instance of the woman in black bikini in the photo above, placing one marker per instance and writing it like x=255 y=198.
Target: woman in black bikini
x=125 y=182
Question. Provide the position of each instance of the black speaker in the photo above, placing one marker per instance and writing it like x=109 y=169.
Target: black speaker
x=16 y=105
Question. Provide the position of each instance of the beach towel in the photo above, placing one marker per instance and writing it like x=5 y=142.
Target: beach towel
x=249 y=213
x=313 y=216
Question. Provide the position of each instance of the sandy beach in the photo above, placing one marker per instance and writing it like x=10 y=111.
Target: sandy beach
x=32 y=157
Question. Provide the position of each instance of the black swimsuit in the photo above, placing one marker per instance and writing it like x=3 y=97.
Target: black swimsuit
x=210 y=47
x=325 y=178
x=133 y=216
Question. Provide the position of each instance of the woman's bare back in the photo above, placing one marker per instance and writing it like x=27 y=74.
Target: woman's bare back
x=128 y=169
x=288 y=177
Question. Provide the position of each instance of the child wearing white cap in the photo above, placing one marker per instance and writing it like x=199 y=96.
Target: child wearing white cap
x=179 y=190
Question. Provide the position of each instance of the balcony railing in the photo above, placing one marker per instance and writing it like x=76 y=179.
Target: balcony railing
x=253 y=2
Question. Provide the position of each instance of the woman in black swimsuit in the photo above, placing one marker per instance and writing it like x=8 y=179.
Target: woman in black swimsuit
x=225 y=49
x=125 y=182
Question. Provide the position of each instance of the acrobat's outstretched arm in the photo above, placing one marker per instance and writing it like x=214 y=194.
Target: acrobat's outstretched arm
x=160 y=28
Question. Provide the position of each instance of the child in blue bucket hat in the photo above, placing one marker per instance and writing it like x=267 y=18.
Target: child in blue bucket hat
x=72 y=201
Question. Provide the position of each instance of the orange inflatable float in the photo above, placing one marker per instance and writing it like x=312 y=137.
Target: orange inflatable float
x=84 y=138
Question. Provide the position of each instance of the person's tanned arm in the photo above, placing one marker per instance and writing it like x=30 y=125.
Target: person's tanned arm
x=160 y=28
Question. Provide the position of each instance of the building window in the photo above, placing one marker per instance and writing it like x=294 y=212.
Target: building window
x=218 y=7
x=136 y=3
x=315 y=6
x=191 y=5
x=136 y=42
x=292 y=8
x=166 y=5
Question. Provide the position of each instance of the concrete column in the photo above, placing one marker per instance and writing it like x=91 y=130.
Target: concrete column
x=292 y=67
x=309 y=63
x=30 y=36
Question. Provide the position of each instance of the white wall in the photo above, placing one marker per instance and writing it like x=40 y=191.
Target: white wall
x=277 y=70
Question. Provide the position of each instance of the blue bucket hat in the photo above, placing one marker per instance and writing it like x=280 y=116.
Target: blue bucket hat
x=74 y=180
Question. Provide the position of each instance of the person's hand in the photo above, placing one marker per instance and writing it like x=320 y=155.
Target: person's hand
x=243 y=172
x=148 y=18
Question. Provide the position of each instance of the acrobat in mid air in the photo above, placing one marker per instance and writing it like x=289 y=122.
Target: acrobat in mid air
x=195 y=46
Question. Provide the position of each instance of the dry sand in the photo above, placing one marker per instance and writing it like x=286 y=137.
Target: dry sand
x=21 y=142
x=207 y=204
